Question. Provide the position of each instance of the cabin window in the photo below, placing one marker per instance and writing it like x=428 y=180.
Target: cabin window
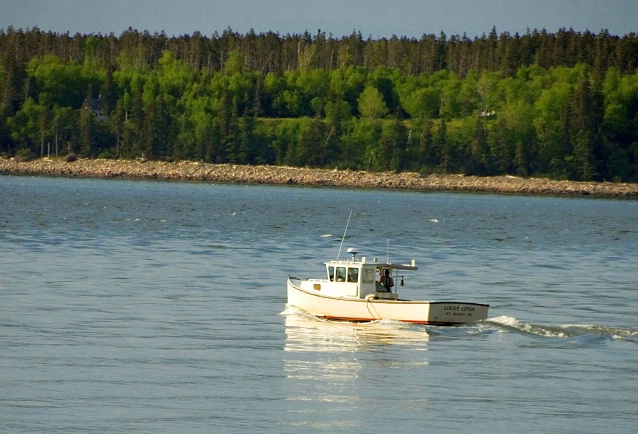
x=367 y=275
x=331 y=273
x=353 y=275
x=341 y=274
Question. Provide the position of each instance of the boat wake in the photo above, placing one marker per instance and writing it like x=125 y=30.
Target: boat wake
x=507 y=323
x=502 y=324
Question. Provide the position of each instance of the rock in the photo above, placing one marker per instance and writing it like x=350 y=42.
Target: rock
x=188 y=171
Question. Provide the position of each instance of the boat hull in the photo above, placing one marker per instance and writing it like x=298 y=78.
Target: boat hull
x=374 y=309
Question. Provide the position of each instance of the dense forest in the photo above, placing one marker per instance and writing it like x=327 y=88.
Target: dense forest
x=562 y=105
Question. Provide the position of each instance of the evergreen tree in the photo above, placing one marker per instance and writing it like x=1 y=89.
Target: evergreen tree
x=428 y=150
x=587 y=119
x=504 y=147
x=479 y=163
x=87 y=142
x=392 y=146
x=246 y=126
x=441 y=142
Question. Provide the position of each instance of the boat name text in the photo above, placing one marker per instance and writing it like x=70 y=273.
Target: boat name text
x=459 y=308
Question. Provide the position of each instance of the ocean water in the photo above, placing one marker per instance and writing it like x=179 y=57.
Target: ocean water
x=157 y=307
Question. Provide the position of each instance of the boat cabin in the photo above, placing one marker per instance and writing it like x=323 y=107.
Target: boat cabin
x=354 y=278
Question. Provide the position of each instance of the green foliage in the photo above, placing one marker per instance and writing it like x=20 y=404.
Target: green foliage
x=526 y=105
x=63 y=84
x=371 y=104
x=24 y=124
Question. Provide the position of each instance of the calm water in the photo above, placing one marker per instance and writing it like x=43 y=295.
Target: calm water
x=153 y=307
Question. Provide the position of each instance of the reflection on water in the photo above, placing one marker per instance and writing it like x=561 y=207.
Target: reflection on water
x=309 y=334
x=337 y=372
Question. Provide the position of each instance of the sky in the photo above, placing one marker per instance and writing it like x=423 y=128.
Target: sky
x=373 y=18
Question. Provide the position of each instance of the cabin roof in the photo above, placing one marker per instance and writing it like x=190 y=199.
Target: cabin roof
x=378 y=265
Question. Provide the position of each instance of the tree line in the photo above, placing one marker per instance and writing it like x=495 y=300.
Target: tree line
x=561 y=105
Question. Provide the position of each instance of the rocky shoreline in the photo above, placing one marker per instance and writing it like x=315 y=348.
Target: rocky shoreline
x=228 y=173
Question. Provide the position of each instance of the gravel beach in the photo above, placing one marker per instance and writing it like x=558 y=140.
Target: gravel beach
x=229 y=173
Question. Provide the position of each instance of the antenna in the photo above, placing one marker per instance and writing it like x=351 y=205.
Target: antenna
x=344 y=235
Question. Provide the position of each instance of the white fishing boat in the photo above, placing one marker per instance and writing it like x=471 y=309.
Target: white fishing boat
x=358 y=290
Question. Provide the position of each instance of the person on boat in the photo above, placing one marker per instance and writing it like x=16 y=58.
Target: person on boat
x=386 y=281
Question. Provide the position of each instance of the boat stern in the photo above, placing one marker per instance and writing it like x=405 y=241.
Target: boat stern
x=442 y=312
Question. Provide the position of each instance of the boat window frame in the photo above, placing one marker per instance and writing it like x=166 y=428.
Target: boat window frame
x=352 y=272
x=338 y=270
x=331 y=273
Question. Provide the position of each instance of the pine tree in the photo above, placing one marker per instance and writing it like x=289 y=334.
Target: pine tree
x=587 y=120
x=479 y=163
x=246 y=126
x=86 y=132
x=441 y=141
x=429 y=153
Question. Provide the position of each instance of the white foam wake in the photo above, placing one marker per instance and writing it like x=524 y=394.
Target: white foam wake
x=563 y=330
x=509 y=322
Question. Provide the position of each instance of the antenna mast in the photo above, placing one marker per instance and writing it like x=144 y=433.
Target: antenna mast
x=344 y=235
